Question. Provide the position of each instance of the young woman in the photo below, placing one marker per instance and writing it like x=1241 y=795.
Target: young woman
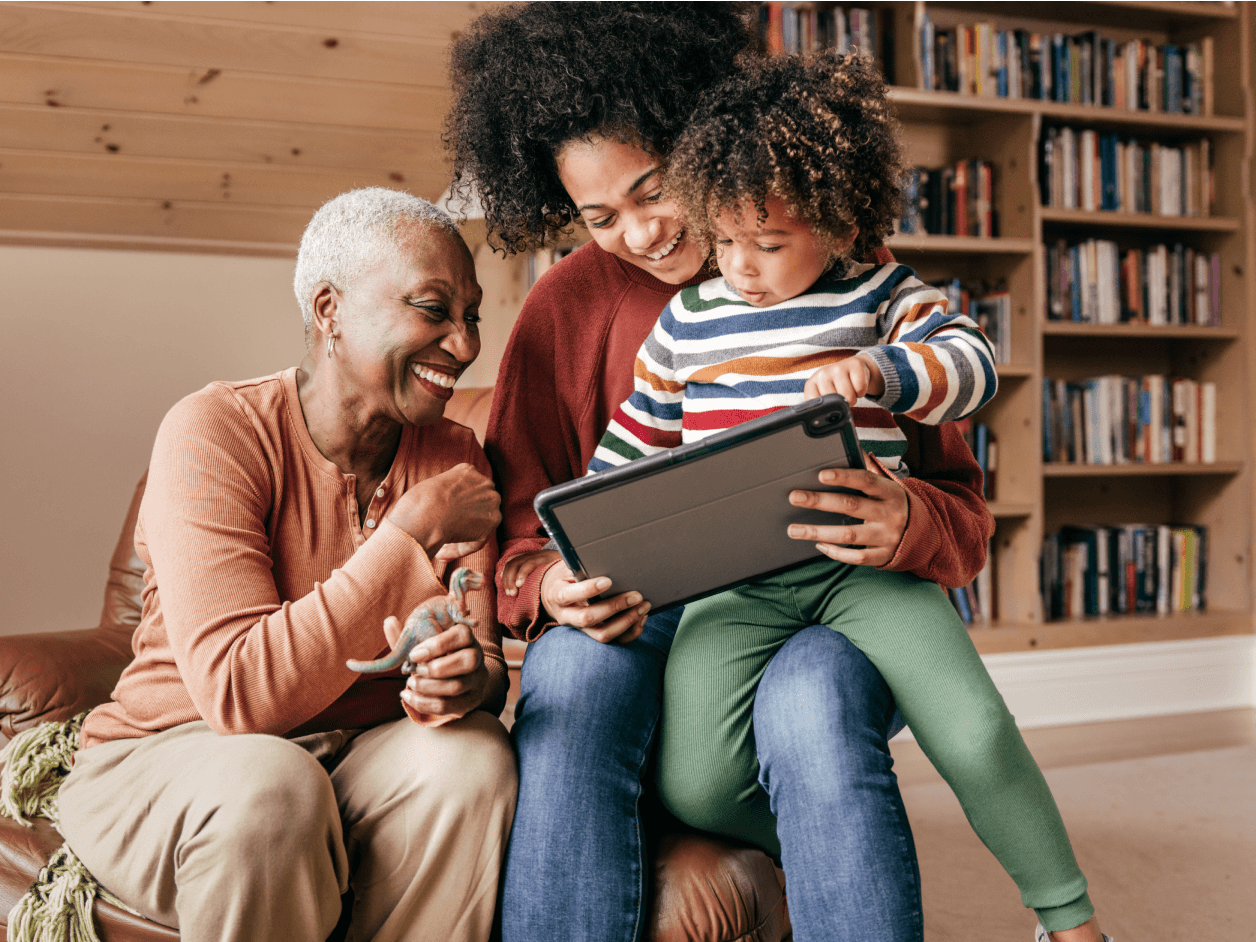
x=566 y=112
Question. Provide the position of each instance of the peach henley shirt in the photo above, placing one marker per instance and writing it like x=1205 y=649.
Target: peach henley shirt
x=260 y=581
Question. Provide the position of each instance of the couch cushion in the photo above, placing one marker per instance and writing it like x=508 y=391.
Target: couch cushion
x=706 y=889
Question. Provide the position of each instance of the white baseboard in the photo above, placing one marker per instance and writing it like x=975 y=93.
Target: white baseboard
x=1125 y=681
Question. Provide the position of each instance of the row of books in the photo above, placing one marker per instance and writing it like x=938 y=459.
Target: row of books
x=991 y=308
x=788 y=28
x=1086 y=69
x=975 y=602
x=1098 y=282
x=1086 y=169
x=1129 y=420
x=985 y=448
x=1127 y=569
x=955 y=200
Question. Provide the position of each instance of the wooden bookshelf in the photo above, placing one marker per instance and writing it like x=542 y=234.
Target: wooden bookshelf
x=1139 y=331
x=1034 y=497
x=913 y=103
x=1156 y=469
x=1114 y=220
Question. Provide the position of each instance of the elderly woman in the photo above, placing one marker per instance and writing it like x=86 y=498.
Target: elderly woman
x=568 y=111
x=243 y=778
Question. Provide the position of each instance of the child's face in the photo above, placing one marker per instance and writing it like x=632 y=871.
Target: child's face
x=768 y=261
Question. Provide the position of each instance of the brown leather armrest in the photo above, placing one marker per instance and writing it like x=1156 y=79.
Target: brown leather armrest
x=55 y=675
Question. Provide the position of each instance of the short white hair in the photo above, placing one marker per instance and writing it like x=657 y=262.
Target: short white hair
x=351 y=234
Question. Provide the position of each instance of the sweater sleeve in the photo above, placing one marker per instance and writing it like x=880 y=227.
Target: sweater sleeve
x=251 y=662
x=482 y=607
x=949 y=525
x=937 y=366
x=651 y=419
x=528 y=444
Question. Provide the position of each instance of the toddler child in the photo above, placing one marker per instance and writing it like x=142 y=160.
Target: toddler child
x=790 y=170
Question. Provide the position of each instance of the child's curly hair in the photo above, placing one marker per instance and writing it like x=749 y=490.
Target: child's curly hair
x=528 y=79
x=816 y=133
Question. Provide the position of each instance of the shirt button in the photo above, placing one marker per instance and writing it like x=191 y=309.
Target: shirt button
x=370 y=524
x=380 y=492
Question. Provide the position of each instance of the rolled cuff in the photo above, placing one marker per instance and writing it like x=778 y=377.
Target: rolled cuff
x=1069 y=916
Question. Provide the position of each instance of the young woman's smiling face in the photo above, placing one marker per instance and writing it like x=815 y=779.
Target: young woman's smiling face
x=618 y=190
x=771 y=260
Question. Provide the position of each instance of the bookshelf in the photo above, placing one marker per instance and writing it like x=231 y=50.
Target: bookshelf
x=1035 y=497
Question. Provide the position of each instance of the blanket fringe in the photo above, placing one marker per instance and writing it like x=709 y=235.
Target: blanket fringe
x=58 y=905
x=36 y=762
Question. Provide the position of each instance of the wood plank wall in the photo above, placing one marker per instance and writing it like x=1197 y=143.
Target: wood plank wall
x=213 y=126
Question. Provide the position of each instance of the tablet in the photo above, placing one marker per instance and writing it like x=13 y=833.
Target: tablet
x=693 y=520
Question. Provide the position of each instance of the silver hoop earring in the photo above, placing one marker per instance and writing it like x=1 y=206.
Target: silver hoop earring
x=331 y=345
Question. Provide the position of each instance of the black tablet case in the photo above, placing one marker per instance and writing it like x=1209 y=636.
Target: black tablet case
x=706 y=516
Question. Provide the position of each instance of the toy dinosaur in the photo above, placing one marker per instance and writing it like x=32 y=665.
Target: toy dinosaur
x=428 y=620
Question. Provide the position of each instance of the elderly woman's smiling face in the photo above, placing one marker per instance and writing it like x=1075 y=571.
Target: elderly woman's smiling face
x=407 y=328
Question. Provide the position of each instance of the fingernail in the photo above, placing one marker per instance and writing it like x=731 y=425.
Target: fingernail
x=422 y=651
x=796 y=531
x=603 y=584
x=634 y=598
x=420 y=670
x=828 y=477
x=643 y=609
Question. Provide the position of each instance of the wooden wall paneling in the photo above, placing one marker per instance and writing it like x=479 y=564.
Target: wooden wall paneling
x=426 y=20
x=58 y=82
x=156 y=112
x=144 y=223
x=106 y=32
x=139 y=134
x=168 y=178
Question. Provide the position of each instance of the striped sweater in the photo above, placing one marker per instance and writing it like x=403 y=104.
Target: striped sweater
x=713 y=361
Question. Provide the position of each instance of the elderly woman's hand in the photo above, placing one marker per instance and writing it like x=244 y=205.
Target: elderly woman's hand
x=452 y=514
x=881 y=504
x=450 y=678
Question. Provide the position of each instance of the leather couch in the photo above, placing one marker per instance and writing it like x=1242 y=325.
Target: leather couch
x=704 y=890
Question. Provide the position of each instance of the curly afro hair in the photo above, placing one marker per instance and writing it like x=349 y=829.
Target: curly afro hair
x=528 y=79
x=816 y=133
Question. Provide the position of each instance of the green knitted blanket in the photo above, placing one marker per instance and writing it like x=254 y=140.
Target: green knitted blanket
x=58 y=905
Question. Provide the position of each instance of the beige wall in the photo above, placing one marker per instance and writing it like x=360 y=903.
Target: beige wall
x=95 y=346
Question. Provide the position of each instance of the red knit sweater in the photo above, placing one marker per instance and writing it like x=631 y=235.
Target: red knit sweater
x=568 y=365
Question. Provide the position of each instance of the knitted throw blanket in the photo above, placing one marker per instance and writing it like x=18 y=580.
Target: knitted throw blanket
x=58 y=905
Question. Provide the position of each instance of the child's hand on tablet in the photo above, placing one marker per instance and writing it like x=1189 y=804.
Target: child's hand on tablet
x=852 y=378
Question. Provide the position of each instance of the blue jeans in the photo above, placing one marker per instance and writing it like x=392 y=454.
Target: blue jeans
x=584 y=725
x=823 y=717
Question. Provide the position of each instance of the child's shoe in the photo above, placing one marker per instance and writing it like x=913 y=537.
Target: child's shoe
x=1041 y=935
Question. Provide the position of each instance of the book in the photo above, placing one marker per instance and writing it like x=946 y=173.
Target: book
x=1116 y=419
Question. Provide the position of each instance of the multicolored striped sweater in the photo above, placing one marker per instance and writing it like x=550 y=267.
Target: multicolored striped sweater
x=713 y=361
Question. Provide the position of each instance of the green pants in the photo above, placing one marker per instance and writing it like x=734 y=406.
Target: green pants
x=707 y=767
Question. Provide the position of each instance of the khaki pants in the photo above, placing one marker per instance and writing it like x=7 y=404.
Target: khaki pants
x=255 y=837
